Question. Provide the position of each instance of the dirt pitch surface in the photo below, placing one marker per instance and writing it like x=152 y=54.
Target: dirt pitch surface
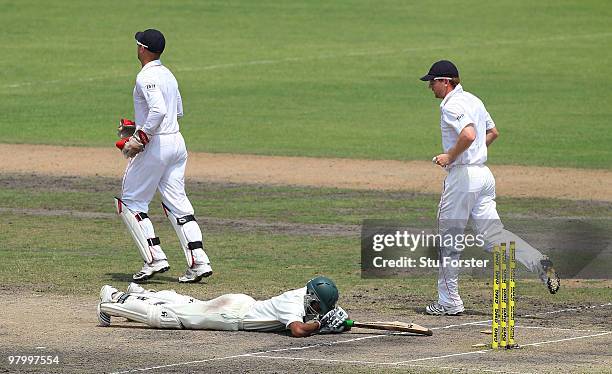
x=418 y=176
x=575 y=339
x=566 y=338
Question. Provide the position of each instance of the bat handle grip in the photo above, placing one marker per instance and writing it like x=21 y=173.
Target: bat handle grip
x=349 y=323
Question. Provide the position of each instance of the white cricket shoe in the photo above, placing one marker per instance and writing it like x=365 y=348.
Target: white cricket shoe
x=195 y=274
x=104 y=320
x=106 y=293
x=548 y=275
x=148 y=271
x=106 y=296
x=435 y=309
x=135 y=288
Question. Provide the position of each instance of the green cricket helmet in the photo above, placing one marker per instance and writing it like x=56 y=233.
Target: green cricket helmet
x=322 y=290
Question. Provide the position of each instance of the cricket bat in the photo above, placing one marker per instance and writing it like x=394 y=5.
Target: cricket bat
x=392 y=326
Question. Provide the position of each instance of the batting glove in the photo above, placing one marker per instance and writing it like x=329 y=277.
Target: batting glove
x=334 y=318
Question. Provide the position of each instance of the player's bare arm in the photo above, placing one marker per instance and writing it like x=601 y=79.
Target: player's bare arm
x=331 y=322
x=492 y=134
x=302 y=330
x=466 y=138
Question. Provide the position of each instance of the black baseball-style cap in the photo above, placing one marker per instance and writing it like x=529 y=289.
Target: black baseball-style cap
x=441 y=69
x=151 y=39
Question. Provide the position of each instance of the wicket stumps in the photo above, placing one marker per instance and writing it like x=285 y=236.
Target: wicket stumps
x=512 y=295
x=504 y=296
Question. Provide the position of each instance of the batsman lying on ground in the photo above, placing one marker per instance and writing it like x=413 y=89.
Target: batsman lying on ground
x=305 y=311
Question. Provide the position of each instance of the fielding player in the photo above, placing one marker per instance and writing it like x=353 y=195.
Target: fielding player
x=157 y=159
x=469 y=187
x=304 y=311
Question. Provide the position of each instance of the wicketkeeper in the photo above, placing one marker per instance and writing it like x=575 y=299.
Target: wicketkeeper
x=304 y=311
x=157 y=161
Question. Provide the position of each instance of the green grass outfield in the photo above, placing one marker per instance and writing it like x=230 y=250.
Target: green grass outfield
x=61 y=236
x=316 y=78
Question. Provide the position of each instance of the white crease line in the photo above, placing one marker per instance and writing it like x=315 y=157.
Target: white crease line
x=470 y=369
x=460 y=324
x=256 y=354
x=324 y=360
x=522 y=345
x=319 y=344
x=567 y=310
x=323 y=57
x=361 y=338
x=382 y=363
x=443 y=356
x=179 y=364
x=566 y=339
x=547 y=328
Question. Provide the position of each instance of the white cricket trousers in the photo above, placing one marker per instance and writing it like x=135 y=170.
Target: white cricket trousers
x=469 y=192
x=170 y=310
x=161 y=166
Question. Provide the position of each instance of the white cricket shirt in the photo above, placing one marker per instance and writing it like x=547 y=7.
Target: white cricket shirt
x=459 y=109
x=157 y=100
x=277 y=313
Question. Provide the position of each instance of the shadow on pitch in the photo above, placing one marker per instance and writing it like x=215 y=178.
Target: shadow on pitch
x=157 y=279
x=467 y=312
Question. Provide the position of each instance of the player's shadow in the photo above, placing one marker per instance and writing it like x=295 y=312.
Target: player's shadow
x=131 y=326
x=467 y=312
x=122 y=277
x=287 y=333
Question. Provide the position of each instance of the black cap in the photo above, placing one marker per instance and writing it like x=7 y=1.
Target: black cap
x=442 y=68
x=151 y=39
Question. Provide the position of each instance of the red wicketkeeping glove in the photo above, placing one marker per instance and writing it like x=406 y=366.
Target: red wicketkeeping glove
x=121 y=143
x=126 y=128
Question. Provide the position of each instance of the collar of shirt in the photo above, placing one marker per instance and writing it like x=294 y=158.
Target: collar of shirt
x=151 y=64
x=457 y=89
